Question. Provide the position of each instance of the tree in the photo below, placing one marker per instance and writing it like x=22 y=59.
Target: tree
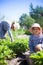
x=37 y=14
x=25 y=20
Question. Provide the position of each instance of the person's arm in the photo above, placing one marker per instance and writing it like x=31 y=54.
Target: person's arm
x=39 y=45
x=42 y=43
x=11 y=36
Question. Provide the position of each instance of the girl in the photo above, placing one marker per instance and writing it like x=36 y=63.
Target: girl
x=36 y=39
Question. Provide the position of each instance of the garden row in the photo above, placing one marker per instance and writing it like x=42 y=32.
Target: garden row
x=9 y=50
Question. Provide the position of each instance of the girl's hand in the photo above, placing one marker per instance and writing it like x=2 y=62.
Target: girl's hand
x=38 y=48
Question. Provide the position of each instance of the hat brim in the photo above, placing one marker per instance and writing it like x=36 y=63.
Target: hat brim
x=31 y=29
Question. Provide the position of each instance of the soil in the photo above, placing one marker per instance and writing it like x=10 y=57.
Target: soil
x=17 y=61
x=20 y=60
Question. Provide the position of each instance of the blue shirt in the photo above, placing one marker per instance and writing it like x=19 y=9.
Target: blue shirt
x=34 y=40
x=4 y=27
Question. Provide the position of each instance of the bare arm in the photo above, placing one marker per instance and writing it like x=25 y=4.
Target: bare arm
x=11 y=36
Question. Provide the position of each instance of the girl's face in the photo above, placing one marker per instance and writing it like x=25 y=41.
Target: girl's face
x=36 y=30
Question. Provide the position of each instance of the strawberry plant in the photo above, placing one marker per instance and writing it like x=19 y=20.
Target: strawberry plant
x=20 y=45
x=5 y=51
x=37 y=57
x=9 y=50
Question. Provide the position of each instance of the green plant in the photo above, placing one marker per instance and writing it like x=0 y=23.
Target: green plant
x=5 y=51
x=20 y=45
x=9 y=50
x=37 y=57
x=27 y=32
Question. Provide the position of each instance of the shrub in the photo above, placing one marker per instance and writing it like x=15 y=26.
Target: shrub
x=27 y=32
